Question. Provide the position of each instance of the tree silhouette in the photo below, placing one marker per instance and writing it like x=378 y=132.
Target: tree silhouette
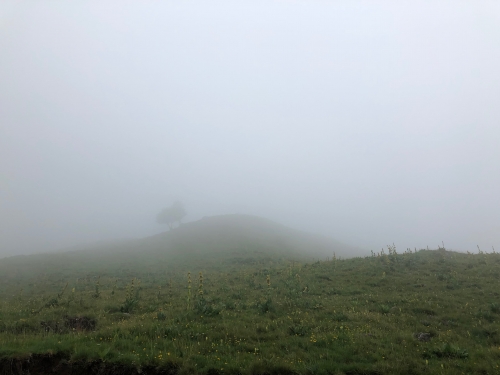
x=172 y=214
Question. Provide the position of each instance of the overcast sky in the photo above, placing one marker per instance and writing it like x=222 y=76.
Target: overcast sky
x=370 y=122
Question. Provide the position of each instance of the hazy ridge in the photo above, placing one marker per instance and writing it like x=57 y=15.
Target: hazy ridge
x=211 y=239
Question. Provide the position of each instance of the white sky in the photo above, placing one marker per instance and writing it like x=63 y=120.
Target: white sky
x=370 y=122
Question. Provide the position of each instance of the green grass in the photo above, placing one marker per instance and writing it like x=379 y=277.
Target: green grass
x=352 y=316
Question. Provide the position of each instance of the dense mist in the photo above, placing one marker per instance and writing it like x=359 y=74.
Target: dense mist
x=370 y=123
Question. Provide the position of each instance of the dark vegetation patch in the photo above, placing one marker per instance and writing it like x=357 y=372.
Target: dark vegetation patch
x=60 y=364
x=424 y=311
x=80 y=323
x=448 y=351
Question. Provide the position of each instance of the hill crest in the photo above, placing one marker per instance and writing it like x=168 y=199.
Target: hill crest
x=242 y=232
x=211 y=241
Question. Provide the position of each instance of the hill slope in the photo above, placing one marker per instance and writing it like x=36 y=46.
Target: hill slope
x=219 y=240
x=242 y=232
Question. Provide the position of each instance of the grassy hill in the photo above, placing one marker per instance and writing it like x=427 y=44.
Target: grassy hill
x=248 y=307
x=243 y=232
x=213 y=241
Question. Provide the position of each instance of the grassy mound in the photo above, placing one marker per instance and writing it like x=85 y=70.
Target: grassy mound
x=207 y=243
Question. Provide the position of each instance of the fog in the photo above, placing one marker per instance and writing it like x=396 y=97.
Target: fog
x=371 y=123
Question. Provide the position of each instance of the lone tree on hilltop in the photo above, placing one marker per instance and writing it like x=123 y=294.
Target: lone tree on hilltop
x=172 y=214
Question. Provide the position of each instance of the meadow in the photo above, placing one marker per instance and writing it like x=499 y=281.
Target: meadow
x=413 y=312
